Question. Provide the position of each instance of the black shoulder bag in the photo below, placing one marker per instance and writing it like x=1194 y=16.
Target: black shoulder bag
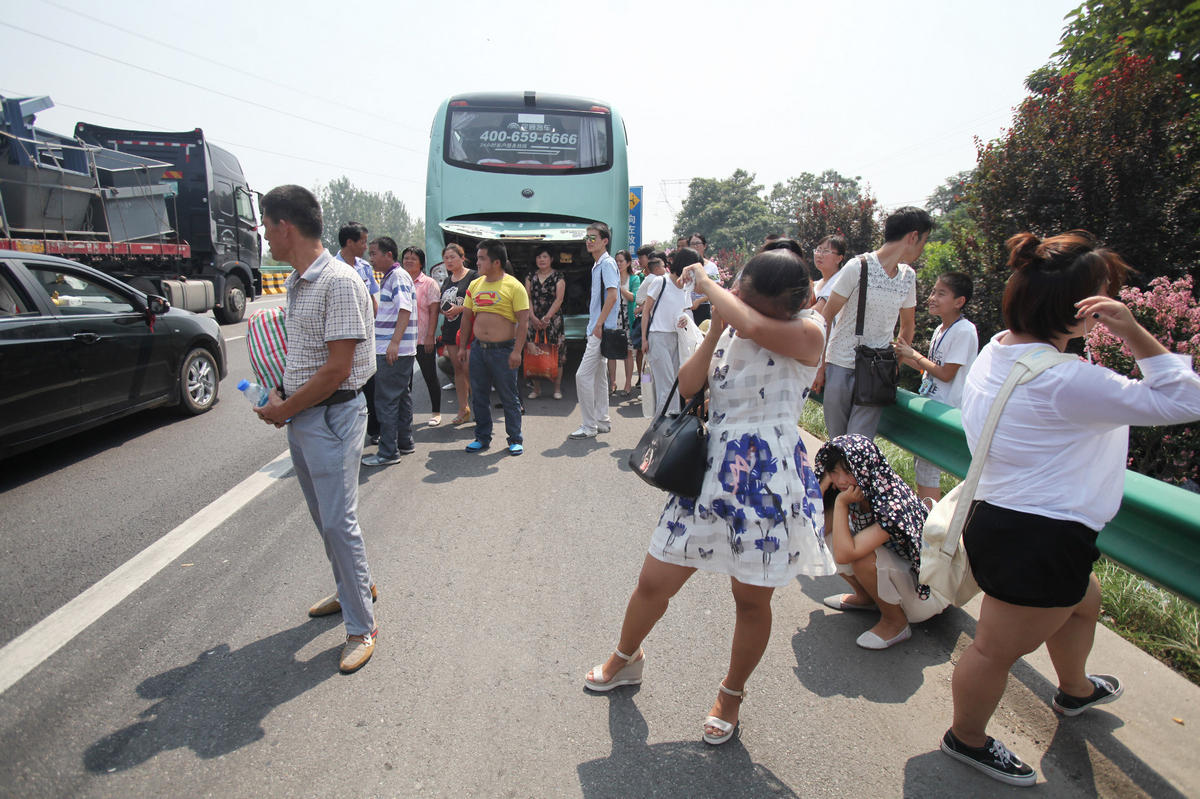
x=673 y=451
x=876 y=369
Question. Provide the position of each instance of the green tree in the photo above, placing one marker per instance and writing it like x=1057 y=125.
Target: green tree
x=811 y=207
x=1100 y=33
x=732 y=213
x=383 y=214
x=1119 y=157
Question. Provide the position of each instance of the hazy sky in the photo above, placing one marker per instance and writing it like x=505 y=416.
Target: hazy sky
x=304 y=92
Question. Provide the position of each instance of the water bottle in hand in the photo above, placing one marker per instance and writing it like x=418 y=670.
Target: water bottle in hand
x=258 y=395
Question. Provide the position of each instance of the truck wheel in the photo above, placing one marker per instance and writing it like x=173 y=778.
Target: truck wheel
x=197 y=382
x=234 y=302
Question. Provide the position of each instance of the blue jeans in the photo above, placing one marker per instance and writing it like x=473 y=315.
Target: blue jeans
x=393 y=403
x=489 y=367
x=326 y=444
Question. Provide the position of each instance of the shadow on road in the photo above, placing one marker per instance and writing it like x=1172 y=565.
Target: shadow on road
x=215 y=704
x=676 y=768
x=447 y=465
x=34 y=464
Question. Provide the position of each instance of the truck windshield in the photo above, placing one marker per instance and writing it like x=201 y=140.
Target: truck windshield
x=520 y=141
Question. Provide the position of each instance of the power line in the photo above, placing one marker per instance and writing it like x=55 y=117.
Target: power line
x=224 y=142
x=217 y=92
x=230 y=67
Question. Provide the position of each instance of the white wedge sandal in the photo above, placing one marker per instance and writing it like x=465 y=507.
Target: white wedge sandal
x=629 y=674
x=727 y=729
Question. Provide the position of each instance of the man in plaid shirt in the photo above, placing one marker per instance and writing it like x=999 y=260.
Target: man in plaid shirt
x=330 y=332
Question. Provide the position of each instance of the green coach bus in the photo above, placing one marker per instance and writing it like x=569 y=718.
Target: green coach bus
x=528 y=169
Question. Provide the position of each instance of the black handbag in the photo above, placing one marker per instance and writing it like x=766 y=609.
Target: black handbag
x=614 y=344
x=876 y=369
x=674 y=449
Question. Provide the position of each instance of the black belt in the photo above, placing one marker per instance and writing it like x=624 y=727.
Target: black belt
x=339 y=396
x=336 y=398
x=491 y=345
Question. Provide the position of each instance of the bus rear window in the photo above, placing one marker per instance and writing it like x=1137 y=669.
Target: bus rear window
x=519 y=141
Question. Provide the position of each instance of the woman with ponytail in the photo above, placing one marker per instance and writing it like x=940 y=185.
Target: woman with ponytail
x=1053 y=478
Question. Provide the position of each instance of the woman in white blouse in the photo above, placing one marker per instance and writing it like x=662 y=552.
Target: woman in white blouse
x=1052 y=480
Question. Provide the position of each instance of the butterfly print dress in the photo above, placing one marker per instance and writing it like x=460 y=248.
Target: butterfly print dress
x=759 y=516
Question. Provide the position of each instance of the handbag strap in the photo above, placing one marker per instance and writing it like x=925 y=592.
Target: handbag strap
x=862 y=297
x=1027 y=367
x=654 y=308
x=693 y=405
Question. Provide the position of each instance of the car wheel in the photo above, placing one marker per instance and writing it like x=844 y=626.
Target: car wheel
x=198 y=381
x=234 y=303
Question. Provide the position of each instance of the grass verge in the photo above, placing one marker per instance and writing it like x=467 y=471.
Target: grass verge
x=1158 y=622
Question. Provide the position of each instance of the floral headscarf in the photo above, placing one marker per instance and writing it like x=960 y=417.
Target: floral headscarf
x=894 y=506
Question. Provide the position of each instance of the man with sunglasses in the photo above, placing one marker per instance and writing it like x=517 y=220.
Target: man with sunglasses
x=591 y=379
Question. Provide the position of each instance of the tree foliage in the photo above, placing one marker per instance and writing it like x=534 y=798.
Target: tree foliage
x=811 y=207
x=732 y=213
x=1100 y=33
x=383 y=214
x=1118 y=157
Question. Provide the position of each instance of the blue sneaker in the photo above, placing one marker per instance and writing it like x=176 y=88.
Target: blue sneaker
x=476 y=446
x=515 y=449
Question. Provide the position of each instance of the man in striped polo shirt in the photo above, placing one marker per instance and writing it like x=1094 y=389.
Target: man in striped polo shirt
x=395 y=352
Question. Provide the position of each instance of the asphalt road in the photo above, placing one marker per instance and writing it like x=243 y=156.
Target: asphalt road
x=502 y=580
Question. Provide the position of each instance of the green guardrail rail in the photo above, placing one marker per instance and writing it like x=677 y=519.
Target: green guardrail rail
x=1156 y=533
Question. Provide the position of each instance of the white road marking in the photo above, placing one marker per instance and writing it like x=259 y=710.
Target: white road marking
x=27 y=651
x=235 y=338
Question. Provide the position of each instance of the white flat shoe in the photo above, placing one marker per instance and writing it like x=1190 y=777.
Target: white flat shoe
x=727 y=728
x=870 y=640
x=629 y=674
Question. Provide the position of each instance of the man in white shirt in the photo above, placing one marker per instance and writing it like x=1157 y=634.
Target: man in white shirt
x=891 y=295
x=591 y=376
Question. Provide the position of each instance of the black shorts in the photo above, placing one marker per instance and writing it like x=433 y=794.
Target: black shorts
x=1026 y=559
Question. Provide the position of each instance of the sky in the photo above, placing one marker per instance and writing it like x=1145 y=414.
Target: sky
x=305 y=92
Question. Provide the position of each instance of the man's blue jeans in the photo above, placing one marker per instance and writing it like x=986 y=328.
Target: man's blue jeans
x=393 y=403
x=489 y=367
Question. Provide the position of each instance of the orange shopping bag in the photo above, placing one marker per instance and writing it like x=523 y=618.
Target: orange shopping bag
x=542 y=359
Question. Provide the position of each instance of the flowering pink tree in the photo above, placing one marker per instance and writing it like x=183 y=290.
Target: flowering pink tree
x=1170 y=312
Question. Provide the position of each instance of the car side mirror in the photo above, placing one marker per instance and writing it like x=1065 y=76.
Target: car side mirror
x=157 y=305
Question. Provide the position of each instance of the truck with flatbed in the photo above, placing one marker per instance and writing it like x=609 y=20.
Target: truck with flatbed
x=169 y=213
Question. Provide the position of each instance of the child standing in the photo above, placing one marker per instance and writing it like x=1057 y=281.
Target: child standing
x=952 y=350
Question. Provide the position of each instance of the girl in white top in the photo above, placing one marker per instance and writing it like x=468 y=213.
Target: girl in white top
x=1052 y=480
x=828 y=256
x=665 y=301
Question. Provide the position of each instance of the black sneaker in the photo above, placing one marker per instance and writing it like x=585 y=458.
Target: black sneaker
x=993 y=759
x=1108 y=689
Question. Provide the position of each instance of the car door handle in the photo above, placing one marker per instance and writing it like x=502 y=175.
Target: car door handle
x=87 y=338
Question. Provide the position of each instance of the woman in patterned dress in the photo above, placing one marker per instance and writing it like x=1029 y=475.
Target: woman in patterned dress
x=758 y=517
x=875 y=534
x=546 y=288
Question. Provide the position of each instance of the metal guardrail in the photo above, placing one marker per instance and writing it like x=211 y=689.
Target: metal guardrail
x=1156 y=533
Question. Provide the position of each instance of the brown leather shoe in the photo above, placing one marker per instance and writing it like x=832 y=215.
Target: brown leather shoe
x=357 y=651
x=330 y=605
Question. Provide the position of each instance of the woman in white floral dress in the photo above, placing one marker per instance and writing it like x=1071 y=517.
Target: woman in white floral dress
x=759 y=516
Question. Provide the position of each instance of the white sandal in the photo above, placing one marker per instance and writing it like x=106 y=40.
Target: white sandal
x=727 y=729
x=629 y=674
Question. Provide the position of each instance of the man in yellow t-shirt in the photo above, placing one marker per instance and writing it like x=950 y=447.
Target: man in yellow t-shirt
x=495 y=316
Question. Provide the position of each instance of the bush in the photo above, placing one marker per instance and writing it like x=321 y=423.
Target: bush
x=1169 y=311
x=1119 y=157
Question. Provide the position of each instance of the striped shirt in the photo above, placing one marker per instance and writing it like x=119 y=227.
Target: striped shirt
x=396 y=294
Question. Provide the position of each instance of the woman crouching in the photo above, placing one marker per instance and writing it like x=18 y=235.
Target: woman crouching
x=874 y=532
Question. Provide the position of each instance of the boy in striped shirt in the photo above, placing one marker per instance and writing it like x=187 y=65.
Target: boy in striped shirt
x=395 y=352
